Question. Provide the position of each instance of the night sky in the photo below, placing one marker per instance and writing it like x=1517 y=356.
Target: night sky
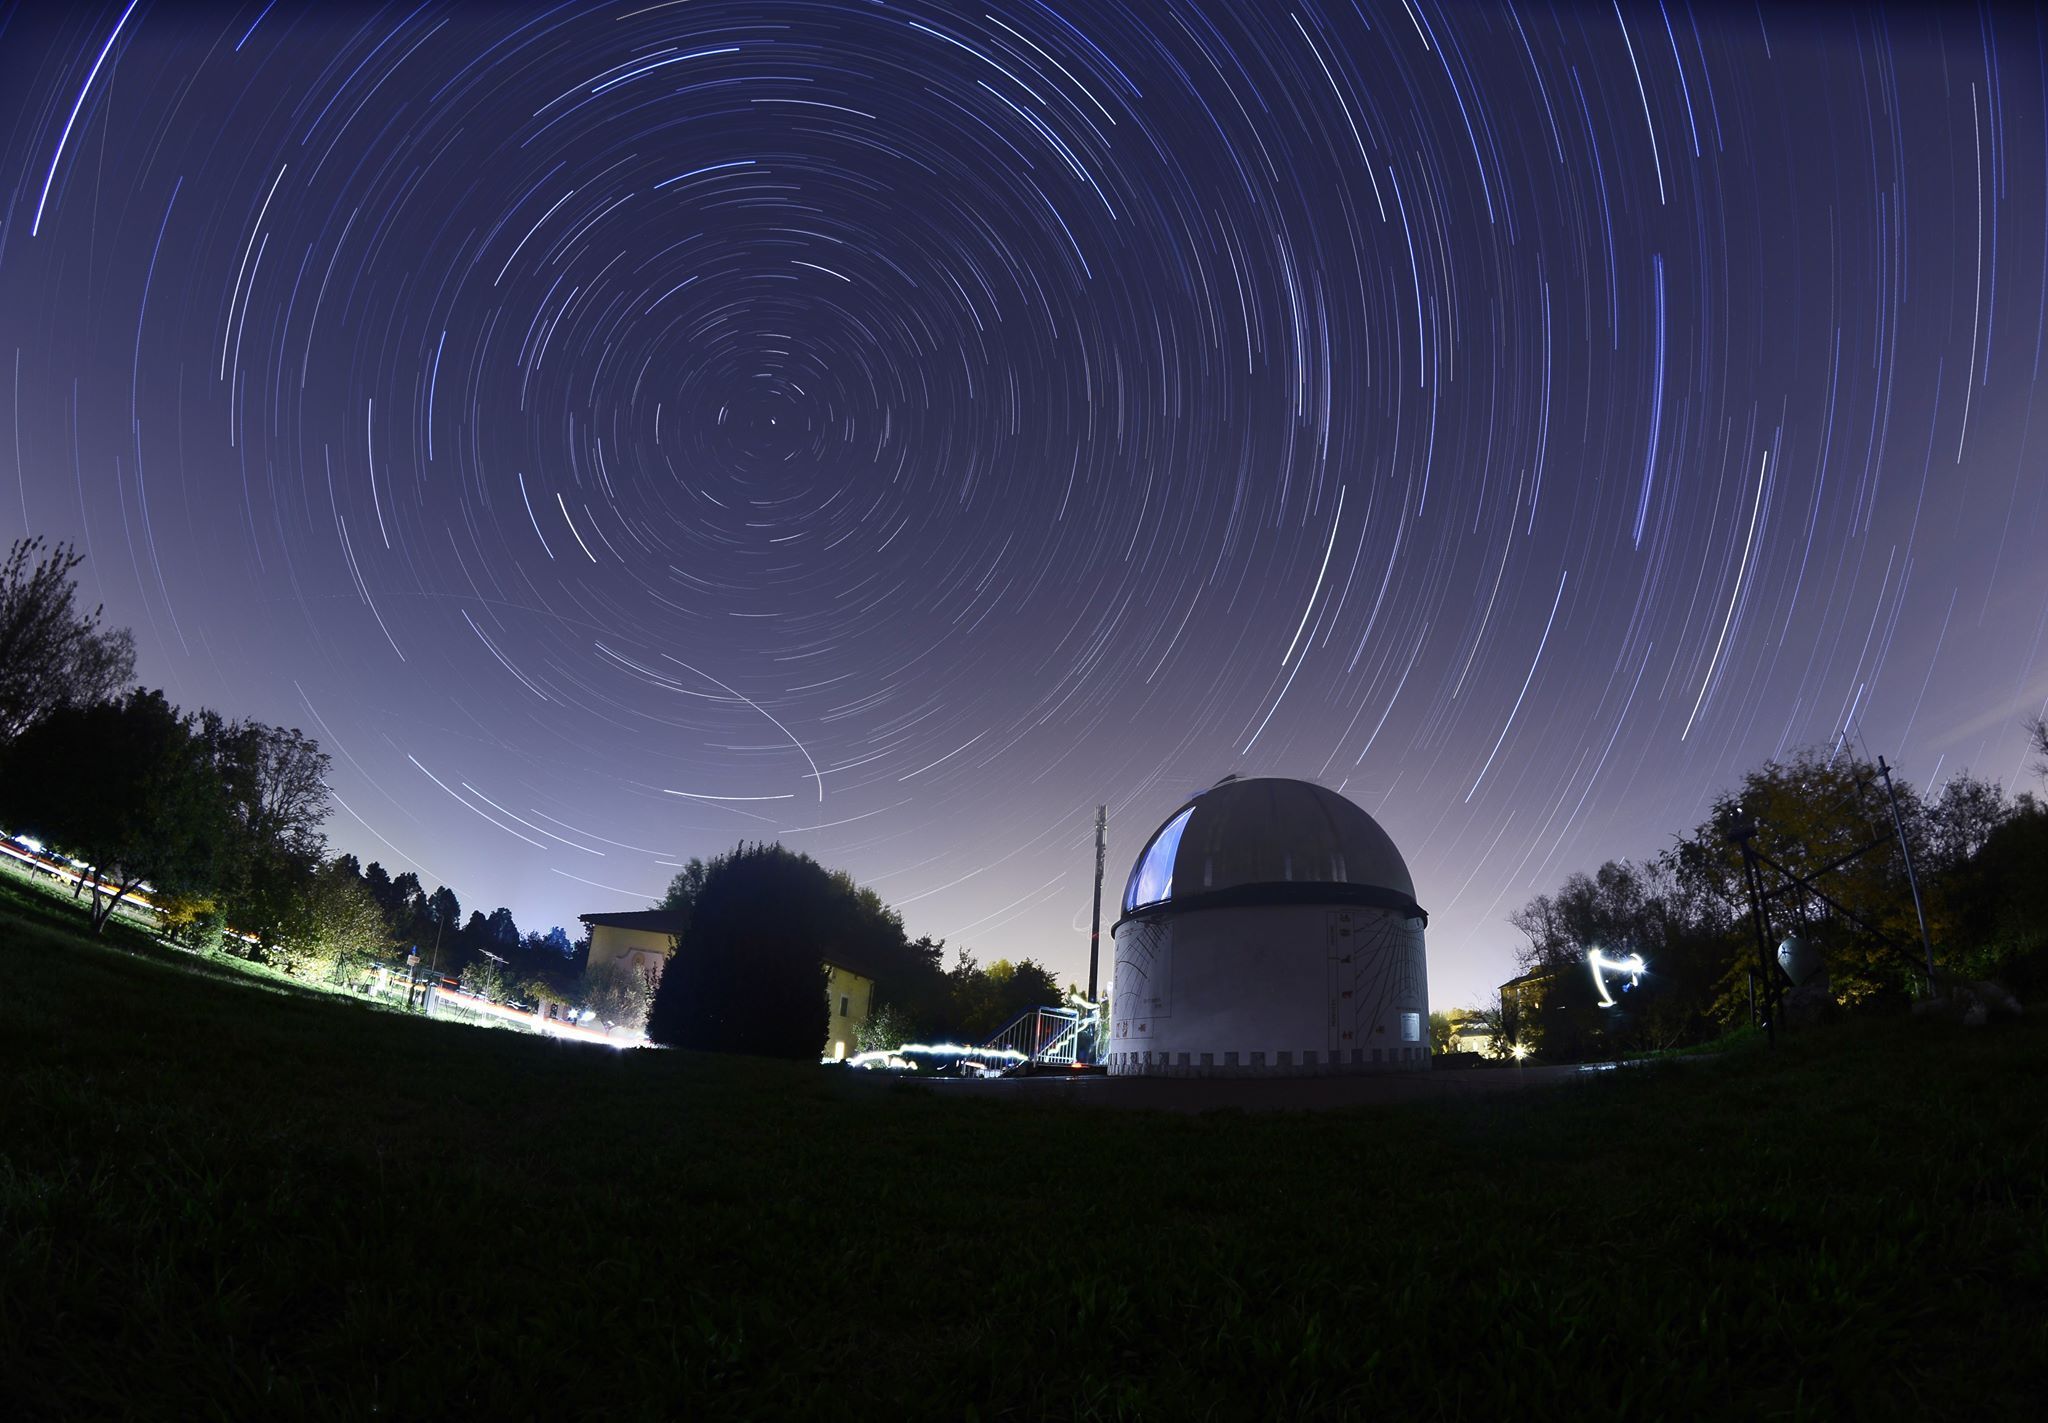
x=617 y=431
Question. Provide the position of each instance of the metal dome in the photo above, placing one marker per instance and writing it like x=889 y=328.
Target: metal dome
x=1268 y=840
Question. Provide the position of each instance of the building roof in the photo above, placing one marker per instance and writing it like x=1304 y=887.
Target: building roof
x=1268 y=840
x=654 y=921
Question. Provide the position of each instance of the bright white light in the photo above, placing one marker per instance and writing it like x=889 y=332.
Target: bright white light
x=887 y=1055
x=1599 y=963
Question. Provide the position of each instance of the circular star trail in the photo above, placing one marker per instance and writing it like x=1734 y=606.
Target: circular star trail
x=616 y=431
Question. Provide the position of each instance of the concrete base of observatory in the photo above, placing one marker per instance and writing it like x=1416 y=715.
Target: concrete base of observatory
x=1271 y=990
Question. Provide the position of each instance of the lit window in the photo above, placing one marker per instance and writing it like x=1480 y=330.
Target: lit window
x=1152 y=880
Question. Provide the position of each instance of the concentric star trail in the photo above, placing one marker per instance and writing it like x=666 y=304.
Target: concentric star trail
x=904 y=427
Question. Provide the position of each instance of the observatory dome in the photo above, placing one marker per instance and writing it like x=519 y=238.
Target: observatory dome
x=1269 y=927
x=1269 y=840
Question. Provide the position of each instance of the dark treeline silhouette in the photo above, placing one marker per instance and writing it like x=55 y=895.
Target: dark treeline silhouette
x=748 y=971
x=1982 y=862
x=221 y=820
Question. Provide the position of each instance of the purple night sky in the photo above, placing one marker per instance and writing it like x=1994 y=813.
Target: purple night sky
x=618 y=430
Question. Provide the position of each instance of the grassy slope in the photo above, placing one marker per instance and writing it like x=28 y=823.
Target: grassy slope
x=221 y=1202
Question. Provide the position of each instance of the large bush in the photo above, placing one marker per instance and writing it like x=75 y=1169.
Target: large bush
x=336 y=930
x=616 y=994
x=748 y=975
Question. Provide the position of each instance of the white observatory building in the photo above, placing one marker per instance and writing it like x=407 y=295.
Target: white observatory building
x=1269 y=929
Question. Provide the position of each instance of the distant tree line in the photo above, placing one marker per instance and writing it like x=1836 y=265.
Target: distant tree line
x=1982 y=863
x=748 y=970
x=221 y=819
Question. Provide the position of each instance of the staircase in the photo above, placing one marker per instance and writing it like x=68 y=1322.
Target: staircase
x=1037 y=1040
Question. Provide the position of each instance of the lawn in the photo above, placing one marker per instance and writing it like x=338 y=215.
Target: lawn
x=221 y=1201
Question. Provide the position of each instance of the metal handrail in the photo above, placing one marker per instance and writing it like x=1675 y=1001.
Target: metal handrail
x=1039 y=1036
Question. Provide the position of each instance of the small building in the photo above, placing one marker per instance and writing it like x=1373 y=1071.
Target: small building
x=645 y=939
x=1269 y=927
x=1470 y=1032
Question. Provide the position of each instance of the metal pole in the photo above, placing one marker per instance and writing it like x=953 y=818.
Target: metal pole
x=1752 y=878
x=1912 y=879
x=1095 y=923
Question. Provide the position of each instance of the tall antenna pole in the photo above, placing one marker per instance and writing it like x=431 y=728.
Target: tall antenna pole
x=1912 y=879
x=1095 y=923
x=1742 y=832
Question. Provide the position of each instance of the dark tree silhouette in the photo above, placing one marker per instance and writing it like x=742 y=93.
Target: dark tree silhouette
x=748 y=974
x=125 y=786
x=51 y=654
x=276 y=781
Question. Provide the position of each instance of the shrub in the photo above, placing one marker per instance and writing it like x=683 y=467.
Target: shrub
x=617 y=995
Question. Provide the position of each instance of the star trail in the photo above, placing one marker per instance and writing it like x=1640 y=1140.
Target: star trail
x=619 y=430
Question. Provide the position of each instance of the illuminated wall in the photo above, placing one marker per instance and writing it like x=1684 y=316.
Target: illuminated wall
x=848 y=997
x=642 y=948
x=1269 y=990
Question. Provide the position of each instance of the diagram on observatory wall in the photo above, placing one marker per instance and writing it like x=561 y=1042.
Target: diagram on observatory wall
x=1144 y=962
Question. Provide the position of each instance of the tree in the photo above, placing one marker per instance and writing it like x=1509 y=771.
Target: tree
x=407 y=910
x=339 y=929
x=617 y=995
x=437 y=923
x=1439 y=1033
x=1502 y=1019
x=1020 y=987
x=748 y=973
x=912 y=989
x=276 y=781
x=886 y=1028
x=1960 y=821
x=981 y=1002
x=686 y=886
x=377 y=880
x=125 y=786
x=485 y=978
x=501 y=930
x=472 y=943
x=52 y=655
x=1997 y=904
x=544 y=990
x=1811 y=812
x=1622 y=908
x=191 y=918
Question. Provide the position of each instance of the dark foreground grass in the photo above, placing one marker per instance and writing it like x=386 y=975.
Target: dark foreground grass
x=223 y=1203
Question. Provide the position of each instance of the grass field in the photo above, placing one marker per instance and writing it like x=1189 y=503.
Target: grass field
x=221 y=1202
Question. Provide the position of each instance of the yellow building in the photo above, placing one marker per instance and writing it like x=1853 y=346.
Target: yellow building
x=646 y=938
x=849 y=995
x=1470 y=1032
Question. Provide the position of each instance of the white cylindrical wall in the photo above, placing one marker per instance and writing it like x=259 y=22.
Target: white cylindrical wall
x=1269 y=990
